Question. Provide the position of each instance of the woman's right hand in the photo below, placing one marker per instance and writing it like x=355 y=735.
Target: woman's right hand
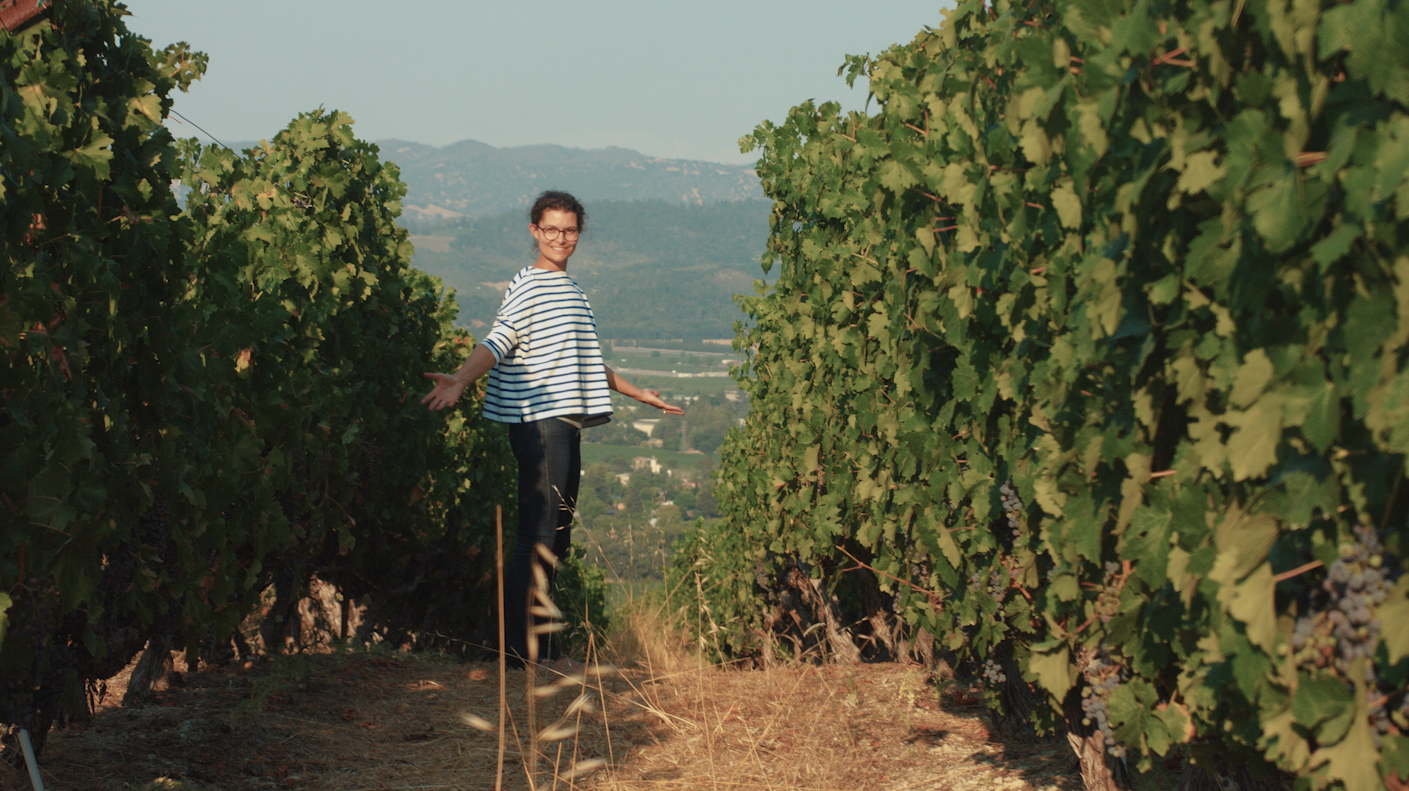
x=652 y=398
x=446 y=392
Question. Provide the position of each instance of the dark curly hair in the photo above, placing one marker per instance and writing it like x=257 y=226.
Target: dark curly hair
x=553 y=199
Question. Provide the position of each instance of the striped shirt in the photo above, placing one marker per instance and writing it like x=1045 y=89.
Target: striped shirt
x=545 y=342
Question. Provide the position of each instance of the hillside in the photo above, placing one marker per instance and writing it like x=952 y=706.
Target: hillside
x=471 y=179
x=652 y=269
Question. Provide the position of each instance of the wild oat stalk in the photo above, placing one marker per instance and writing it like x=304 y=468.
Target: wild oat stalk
x=567 y=726
x=503 y=670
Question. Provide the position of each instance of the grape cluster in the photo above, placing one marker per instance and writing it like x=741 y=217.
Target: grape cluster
x=299 y=457
x=1347 y=627
x=1102 y=679
x=993 y=672
x=1108 y=603
x=997 y=582
x=371 y=458
x=1012 y=507
x=155 y=525
x=24 y=695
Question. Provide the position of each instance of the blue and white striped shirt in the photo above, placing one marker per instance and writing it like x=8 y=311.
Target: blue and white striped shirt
x=549 y=361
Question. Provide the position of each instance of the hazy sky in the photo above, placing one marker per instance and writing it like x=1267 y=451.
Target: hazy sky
x=668 y=79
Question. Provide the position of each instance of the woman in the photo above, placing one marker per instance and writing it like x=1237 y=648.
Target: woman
x=547 y=381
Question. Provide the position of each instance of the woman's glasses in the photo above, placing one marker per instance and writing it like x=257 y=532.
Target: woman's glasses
x=551 y=234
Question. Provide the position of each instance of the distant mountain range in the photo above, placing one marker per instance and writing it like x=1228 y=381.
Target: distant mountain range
x=471 y=179
x=652 y=269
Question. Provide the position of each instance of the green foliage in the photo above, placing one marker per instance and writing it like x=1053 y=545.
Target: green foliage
x=1145 y=260
x=710 y=588
x=580 y=592
x=632 y=542
x=327 y=356
x=200 y=403
x=89 y=257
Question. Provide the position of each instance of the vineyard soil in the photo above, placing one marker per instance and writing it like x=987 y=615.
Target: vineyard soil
x=390 y=721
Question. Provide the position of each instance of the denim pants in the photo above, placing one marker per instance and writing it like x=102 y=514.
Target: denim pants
x=550 y=466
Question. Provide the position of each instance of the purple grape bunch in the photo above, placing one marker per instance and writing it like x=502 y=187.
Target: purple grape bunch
x=1347 y=626
x=996 y=582
x=1012 y=507
x=1102 y=679
x=993 y=672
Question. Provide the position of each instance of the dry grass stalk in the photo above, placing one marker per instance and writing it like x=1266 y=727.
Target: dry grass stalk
x=503 y=658
x=568 y=725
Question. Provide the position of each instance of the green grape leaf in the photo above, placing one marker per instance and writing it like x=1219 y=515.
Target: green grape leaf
x=1253 y=604
x=1252 y=448
x=1394 y=623
x=1054 y=672
x=1201 y=170
x=1244 y=541
x=1172 y=725
x=1336 y=244
x=1252 y=378
x=1067 y=204
x=96 y=155
x=895 y=176
x=1277 y=212
x=1394 y=756
x=1350 y=757
x=1321 y=700
x=1065 y=587
x=1131 y=708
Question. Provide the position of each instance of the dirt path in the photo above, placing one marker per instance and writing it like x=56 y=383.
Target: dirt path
x=365 y=722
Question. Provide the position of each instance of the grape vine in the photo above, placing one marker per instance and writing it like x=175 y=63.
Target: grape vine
x=198 y=403
x=1111 y=299
x=1102 y=678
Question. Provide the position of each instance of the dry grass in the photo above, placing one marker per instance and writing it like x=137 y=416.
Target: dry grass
x=363 y=721
x=379 y=720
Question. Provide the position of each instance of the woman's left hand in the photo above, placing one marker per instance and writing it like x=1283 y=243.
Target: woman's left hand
x=653 y=398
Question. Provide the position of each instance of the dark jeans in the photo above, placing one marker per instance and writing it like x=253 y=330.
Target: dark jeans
x=550 y=466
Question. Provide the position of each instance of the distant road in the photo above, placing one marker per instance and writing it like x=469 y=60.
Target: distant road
x=673 y=375
x=626 y=349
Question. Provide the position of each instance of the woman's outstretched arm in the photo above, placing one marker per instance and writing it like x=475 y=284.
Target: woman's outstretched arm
x=448 y=387
x=651 y=397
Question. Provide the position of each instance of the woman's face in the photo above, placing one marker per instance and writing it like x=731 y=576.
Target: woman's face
x=558 y=223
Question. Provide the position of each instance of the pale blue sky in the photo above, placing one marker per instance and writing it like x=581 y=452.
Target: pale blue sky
x=667 y=79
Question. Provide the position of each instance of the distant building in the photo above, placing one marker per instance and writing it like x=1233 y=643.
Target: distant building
x=624 y=477
x=646 y=425
x=645 y=463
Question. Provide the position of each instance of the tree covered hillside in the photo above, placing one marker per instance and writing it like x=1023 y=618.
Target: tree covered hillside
x=652 y=269
x=472 y=179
